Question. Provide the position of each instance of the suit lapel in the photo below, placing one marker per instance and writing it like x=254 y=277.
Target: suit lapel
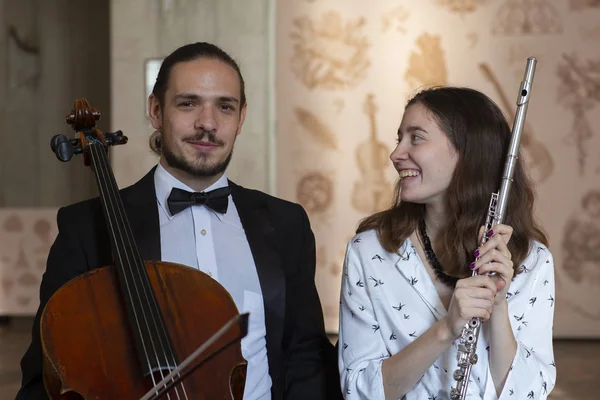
x=140 y=203
x=257 y=222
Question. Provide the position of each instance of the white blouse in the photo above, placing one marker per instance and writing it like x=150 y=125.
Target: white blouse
x=388 y=300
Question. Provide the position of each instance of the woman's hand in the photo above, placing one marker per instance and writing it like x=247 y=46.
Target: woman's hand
x=472 y=297
x=494 y=256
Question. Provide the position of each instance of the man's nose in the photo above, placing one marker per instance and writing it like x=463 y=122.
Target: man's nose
x=206 y=119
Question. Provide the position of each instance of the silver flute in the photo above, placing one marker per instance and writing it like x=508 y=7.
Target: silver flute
x=467 y=346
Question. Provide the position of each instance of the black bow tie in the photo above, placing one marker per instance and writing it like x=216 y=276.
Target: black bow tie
x=216 y=200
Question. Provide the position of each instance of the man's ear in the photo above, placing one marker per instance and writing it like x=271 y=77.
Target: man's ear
x=155 y=112
x=242 y=118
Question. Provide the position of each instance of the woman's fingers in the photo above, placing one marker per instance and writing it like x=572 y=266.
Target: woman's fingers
x=476 y=293
x=477 y=281
x=494 y=243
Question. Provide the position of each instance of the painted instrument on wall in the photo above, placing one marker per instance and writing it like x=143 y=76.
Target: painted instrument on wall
x=372 y=192
x=467 y=347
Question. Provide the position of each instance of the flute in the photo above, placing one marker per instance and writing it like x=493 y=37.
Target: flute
x=467 y=347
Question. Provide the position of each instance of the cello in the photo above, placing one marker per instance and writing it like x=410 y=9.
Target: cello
x=372 y=192
x=120 y=332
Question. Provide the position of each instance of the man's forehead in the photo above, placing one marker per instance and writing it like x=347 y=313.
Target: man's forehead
x=204 y=76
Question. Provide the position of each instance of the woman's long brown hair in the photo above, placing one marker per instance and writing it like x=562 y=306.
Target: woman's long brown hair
x=480 y=133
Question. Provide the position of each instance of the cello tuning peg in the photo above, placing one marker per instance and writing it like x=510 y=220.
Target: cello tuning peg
x=116 y=138
x=62 y=147
x=56 y=140
x=76 y=144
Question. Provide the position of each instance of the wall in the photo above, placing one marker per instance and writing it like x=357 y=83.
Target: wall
x=49 y=56
x=346 y=68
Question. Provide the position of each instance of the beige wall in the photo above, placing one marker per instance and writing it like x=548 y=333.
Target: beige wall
x=333 y=54
x=142 y=30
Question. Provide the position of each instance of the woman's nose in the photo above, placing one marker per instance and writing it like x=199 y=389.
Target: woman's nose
x=399 y=153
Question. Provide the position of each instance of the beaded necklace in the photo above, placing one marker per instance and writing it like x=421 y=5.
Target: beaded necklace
x=437 y=267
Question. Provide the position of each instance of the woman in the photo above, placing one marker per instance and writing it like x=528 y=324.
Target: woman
x=408 y=289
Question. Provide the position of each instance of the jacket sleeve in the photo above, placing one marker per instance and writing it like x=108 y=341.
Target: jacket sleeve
x=310 y=357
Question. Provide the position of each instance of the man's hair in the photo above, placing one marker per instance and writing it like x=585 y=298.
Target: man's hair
x=479 y=132
x=185 y=53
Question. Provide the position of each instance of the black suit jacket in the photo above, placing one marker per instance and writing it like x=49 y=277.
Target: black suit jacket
x=302 y=362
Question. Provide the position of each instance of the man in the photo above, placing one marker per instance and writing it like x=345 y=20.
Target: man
x=260 y=248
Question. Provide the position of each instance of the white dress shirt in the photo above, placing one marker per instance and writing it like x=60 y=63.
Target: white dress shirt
x=388 y=300
x=216 y=244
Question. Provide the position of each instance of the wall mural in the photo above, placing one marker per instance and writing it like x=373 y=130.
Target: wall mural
x=579 y=91
x=583 y=4
x=372 y=191
x=527 y=17
x=329 y=53
x=396 y=19
x=461 y=6
x=346 y=69
x=25 y=239
x=426 y=65
x=581 y=257
x=320 y=132
x=315 y=192
x=589 y=34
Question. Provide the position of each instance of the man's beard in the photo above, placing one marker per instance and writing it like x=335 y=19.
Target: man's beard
x=200 y=169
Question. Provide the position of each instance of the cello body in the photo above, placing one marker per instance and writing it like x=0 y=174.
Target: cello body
x=85 y=331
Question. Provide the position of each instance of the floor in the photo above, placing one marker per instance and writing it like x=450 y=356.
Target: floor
x=577 y=361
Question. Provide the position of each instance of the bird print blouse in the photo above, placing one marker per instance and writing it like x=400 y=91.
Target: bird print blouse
x=388 y=300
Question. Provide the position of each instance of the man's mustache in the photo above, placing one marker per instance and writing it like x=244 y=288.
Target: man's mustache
x=204 y=136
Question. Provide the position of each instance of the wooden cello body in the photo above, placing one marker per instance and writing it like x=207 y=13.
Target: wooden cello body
x=115 y=332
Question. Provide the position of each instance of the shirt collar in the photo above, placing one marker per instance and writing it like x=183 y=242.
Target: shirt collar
x=414 y=271
x=164 y=182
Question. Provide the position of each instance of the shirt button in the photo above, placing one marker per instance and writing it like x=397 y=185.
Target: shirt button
x=203 y=232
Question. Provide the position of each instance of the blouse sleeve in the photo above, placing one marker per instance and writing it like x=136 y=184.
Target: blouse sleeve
x=359 y=337
x=533 y=372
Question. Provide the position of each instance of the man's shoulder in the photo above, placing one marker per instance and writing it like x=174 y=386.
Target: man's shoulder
x=93 y=206
x=81 y=208
x=270 y=200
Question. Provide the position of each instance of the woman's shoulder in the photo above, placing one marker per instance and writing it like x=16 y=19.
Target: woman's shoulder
x=539 y=255
x=538 y=264
x=366 y=237
x=367 y=242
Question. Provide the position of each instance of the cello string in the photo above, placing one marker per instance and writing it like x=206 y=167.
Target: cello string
x=104 y=187
x=144 y=281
